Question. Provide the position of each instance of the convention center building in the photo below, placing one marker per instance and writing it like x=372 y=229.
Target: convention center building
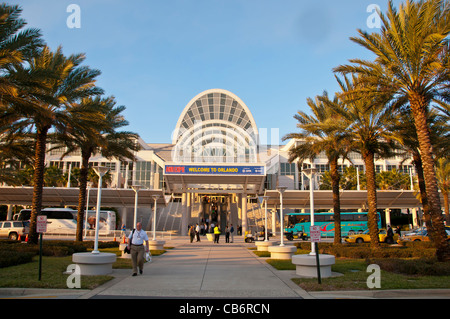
x=220 y=168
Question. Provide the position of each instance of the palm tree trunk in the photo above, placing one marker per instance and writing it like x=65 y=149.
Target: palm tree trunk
x=82 y=193
x=436 y=229
x=38 y=182
x=369 y=161
x=446 y=204
x=336 y=200
x=422 y=189
x=423 y=192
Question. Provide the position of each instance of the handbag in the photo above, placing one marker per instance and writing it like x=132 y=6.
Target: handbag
x=126 y=250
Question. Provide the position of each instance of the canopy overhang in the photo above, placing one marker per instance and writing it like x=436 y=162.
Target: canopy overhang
x=215 y=178
x=349 y=199
x=68 y=196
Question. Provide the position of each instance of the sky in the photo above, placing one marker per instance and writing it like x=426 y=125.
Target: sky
x=156 y=55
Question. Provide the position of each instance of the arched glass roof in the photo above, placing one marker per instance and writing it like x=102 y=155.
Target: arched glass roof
x=216 y=126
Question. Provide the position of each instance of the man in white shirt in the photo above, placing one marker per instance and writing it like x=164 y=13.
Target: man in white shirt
x=136 y=246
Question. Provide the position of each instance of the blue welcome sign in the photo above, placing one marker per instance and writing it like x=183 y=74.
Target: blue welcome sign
x=214 y=170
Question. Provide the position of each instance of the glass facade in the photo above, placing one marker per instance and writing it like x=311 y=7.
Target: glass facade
x=216 y=127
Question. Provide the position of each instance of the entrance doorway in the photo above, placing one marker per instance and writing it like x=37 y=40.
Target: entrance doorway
x=216 y=210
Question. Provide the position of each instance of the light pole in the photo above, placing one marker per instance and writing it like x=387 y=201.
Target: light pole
x=310 y=174
x=136 y=189
x=155 y=198
x=89 y=185
x=266 y=198
x=101 y=171
x=281 y=190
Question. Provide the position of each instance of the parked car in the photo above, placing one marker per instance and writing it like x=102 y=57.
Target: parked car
x=364 y=237
x=422 y=235
x=15 y=230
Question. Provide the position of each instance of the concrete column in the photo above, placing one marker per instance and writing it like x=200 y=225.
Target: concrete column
x=414 y=218
x=244 y=214
x=124 y=216
x=274 y=222
x=189 y=207
x=9 y=214
x=184 y=220
x=152 y=176
x=387 y=213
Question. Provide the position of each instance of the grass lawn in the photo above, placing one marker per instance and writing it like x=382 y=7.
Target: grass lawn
x=53 y=268
x=26 y=275
x=355 y=277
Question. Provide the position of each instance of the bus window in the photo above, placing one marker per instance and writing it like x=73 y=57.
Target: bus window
x=346 y=217
x=361 y=217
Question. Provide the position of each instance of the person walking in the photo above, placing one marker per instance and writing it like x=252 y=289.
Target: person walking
x=232 y=232
x=136 y=246
x=192 y=233
x=197 y=232
x=389 y=235
x=216 y=234
x=227 y=234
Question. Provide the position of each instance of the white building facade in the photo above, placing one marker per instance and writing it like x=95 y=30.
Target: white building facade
x=217 y=164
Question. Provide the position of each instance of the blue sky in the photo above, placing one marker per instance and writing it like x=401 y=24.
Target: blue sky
x=156 y=55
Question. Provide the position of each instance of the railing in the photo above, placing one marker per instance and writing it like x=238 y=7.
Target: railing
x=106 y=236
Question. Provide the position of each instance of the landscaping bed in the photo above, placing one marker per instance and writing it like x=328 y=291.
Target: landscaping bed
x=19 y=263
x=412 y=266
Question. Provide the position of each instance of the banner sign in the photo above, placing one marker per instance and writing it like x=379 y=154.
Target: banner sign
x=213 y=170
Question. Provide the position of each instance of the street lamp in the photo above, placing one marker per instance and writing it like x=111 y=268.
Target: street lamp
x=89 y=185
x=136 y=189
x=100 y=171
x=281 y=190
x=266 y=198
x=155 y=198
x=309 y=172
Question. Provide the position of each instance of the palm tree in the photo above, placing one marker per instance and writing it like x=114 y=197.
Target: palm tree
x=412 y=63
x=392 y=180
x=318 y=134
x=365 y=123
x=48 y=84
x=97 y=122
x=406 y=134
x=16 y=47
x=443 y=176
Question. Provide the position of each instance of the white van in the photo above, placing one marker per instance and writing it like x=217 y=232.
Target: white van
x=59 y=220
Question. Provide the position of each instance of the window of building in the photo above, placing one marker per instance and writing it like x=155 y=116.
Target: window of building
x=287 y=169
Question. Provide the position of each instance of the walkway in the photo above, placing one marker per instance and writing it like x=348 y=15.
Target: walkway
x=202 y=270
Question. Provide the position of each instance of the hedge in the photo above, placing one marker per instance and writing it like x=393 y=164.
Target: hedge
x=364 y=251
x=16 y=252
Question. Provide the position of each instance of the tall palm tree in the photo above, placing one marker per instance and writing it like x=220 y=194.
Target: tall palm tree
x=405 y=131
x=443 y=176
x=365 y=122
x=48 y=84
x=16 y=47
x=98 y=120
x=412 y=62
x=318 y=134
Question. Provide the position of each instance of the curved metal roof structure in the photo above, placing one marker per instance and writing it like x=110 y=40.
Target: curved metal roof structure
x=215 y=127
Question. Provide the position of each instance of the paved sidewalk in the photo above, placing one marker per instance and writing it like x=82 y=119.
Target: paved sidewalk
x=203 y=270
x=208 y=270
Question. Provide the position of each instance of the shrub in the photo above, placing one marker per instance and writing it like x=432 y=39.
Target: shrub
x=12 y=258
x=420 y=266
x=364 y=251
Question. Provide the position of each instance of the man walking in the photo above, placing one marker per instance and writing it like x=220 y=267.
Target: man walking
x=136 y=246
